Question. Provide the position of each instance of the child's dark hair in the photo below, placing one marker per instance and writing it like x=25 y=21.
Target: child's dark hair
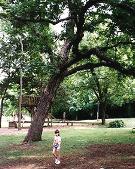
x=57 y=131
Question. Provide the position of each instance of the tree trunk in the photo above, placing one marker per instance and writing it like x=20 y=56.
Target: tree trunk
x=1 y=110
x=45 y=102
x=103 y=112
x=0 y=120
x=103 y=118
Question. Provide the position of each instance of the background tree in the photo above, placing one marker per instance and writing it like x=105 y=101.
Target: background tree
x=86 y=89
x=34 y=70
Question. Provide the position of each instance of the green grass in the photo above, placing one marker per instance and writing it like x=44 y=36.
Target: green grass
x=129 y=122
x=73 y=140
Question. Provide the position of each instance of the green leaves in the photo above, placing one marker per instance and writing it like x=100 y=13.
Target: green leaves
x=123 y=16
x=116 y=124
x=37 y=10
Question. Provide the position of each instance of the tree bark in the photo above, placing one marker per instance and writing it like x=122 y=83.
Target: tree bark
x=103 y=112
x=1 y=111
x=0 y=120
x=45 y=102
x=103 y=118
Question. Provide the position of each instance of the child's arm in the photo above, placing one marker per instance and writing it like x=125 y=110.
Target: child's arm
x=55 y=141
x=59 y=140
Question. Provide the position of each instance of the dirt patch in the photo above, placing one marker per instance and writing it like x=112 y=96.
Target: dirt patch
x=15 y=131
x=118 y=156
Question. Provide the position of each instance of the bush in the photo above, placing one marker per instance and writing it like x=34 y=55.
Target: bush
x=116 y=124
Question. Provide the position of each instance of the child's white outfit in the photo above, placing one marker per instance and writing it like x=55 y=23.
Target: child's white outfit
x=57 y=141
x=56 y=146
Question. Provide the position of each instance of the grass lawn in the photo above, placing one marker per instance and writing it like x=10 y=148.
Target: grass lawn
x=73 y=141
x=129 y=122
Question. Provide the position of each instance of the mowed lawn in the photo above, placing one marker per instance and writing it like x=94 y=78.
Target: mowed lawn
x=74 y=140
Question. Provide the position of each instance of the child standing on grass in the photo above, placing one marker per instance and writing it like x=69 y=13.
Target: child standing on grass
x=56 y=146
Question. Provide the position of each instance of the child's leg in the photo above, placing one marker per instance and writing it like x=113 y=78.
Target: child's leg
x=54 y=153
x=58 y=154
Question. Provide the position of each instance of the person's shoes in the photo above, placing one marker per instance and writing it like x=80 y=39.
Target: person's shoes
x=58 y=162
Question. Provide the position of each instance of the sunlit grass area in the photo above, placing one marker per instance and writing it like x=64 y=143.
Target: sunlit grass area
x=129 y=122
x=73 y=140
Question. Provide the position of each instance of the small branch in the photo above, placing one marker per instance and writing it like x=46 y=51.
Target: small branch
x=121 y=5
x=89 y=4
x=125 y=6
x=97 y=84
x=116 y=45
x=3 y=16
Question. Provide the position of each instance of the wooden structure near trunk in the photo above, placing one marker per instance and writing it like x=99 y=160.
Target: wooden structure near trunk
x=30 y=103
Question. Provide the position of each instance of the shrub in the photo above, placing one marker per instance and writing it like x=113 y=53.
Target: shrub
x=116 y=124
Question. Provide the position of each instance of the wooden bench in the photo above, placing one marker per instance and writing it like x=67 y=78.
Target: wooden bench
x=12 y=124
x=69 y=122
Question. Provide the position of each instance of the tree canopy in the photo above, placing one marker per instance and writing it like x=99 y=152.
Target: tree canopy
x=34 y=18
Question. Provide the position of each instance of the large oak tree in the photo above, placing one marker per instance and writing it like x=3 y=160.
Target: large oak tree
x=84 y=16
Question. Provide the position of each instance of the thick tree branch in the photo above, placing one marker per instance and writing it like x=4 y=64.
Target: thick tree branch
x=114 y=64
x=111 y=64
x=129 y=71
x=78 y=58
x=105 y=61
x=87 y=66
x=80 y=24
x=41 y=20
x=81 y=18
x=93 y=51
